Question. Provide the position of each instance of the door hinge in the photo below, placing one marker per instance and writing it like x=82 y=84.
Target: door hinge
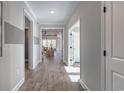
x=104 y=53
x=104 y=9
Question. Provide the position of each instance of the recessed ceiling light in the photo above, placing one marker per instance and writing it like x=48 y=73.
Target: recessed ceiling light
x=52 y=12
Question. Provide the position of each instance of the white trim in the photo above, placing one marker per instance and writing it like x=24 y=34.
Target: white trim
x=47 y=27
x=58 y=24
x=27 y=14
x=84 y=86
x=30 y=9
x=37 y=64
x=102 y=47
x=2 y=30
x=70 y=29
x=64 y=61
x=41 y=50
x=53 y=27
x=18 y=85
x=31 y=68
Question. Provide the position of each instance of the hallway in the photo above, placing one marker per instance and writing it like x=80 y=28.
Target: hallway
x=50 y=75
x=89 y=34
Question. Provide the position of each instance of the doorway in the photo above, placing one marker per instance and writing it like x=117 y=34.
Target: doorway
x=74 y=45
x=52 y=45
x=27 y=47
x=74 y=52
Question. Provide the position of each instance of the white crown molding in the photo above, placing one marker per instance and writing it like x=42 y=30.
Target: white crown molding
x=29 y=7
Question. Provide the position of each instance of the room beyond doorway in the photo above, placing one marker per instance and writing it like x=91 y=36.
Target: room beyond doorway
x=74 y=45
x=52 y=43
x=28 y=29
x=74 y=51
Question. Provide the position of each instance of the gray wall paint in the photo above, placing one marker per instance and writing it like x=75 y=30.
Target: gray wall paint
x=13 y=35
x=89 y=13
x=65 y=46
x=36 y=41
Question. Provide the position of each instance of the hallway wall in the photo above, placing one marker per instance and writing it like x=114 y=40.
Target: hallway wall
x=36 y=44
x=12 y=63
x=65 y=45
x=90 y=18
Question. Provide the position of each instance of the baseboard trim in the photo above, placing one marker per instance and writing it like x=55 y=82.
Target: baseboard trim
x=65 y=62
x=16 y=88
x=84 y=86
x=37 y=63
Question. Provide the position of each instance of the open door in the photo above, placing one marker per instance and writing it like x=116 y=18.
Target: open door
x=114 y=26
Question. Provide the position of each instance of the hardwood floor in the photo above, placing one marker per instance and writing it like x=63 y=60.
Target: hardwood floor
x=49 y=75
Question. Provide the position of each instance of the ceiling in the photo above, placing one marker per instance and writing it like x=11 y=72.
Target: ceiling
x=62 y=9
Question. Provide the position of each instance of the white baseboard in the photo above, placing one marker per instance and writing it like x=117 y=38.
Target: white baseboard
x=37 y=64
x=32 y=68
x=39 y=61
x=16 y=88
x=84 y=86
x=65 y=62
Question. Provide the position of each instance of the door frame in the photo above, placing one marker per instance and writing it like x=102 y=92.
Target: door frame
x=40 y=33
x=103 y=58
x=2 y=29
x=30 y=52
x=62 y=34
x=108 y=33
x=70 y=30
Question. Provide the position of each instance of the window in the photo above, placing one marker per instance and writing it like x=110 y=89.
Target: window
x=49 y=43
x=54 y=43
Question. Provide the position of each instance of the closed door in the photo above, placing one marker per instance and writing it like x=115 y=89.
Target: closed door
x=114 y=27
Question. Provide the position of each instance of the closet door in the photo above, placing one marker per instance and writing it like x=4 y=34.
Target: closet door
x=114 y=27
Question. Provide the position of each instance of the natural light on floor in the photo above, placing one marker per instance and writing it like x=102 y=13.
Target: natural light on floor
x=73 y=73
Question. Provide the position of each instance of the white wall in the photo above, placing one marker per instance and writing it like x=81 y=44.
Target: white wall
x=90 y=30
x=12 y=63
x=36 y=47
x=77 y=46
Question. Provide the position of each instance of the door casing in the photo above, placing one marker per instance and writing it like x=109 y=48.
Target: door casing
x=113 y=63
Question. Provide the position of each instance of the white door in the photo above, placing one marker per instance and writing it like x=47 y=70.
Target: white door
x=114 y=26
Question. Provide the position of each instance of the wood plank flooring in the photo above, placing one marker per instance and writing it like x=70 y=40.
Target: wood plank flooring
x=49 y=75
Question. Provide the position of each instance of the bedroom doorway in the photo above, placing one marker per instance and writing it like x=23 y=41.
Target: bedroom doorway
x=74 y=45
x=74 y=52
x=28 y=45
